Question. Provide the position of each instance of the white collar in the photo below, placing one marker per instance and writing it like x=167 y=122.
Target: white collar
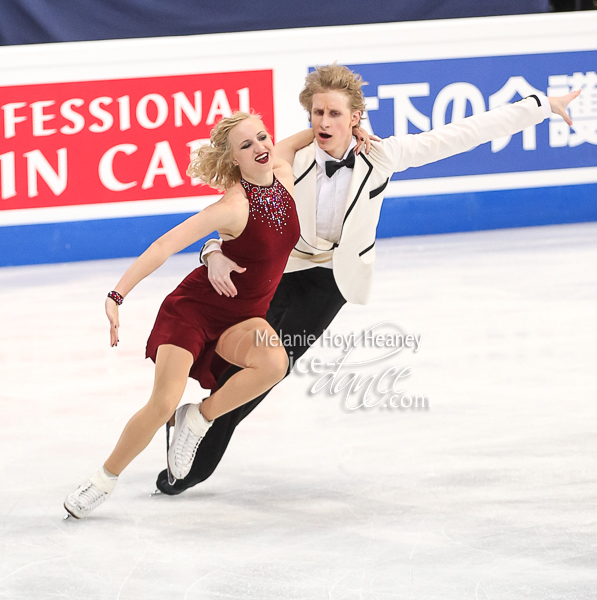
x=321 y=156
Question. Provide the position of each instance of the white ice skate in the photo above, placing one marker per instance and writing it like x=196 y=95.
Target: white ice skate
x=90 y=495
x=190 y=428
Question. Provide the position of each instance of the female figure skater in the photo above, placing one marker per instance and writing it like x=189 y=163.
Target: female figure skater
x=257 y=218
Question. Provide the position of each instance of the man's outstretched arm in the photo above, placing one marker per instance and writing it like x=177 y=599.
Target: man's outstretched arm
x=416 y=150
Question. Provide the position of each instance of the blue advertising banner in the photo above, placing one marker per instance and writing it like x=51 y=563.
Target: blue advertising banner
x=544 y=175
x=410 y=97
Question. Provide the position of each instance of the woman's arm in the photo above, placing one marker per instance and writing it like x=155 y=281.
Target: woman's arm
x=222 y=216
x=288 y=147
x=225 y=216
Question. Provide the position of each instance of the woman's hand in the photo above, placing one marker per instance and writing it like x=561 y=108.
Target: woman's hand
x=363 y=139
x=219 y=268
x=559 y=103
x=112 y=312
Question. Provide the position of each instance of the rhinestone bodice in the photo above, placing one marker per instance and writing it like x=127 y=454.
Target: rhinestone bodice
x=263 y=247
x=268 y=203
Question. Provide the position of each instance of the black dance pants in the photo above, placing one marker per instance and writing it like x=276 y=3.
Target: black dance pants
x=304 y=305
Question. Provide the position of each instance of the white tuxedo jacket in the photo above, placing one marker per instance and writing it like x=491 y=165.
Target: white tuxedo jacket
x=354 y=254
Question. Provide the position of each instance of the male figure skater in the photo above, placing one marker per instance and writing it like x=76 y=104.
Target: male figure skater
x=338 y=197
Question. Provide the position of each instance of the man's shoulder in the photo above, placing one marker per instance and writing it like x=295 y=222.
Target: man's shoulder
x=382 y=153
x=303 y=159
x=307 y=151
x=383 y=147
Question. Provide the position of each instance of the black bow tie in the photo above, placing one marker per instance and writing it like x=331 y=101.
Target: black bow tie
x=331 y=166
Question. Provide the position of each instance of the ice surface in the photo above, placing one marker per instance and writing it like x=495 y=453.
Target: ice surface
x=489 y=493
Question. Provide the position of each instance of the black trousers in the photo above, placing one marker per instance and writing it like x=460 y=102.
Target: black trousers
x=304 y=305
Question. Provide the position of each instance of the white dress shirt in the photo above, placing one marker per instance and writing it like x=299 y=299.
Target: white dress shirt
x=332 y=193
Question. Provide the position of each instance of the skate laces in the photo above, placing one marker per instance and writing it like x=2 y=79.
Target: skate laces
x=89 y=495
x=187 y=445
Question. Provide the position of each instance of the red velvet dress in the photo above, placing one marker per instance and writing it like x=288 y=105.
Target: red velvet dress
x=194 y=316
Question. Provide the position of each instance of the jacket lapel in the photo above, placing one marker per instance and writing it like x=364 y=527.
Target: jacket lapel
x=361 y=173
x=305 y=191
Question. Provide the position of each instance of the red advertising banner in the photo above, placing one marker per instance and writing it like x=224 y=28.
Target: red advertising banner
x=65 y=144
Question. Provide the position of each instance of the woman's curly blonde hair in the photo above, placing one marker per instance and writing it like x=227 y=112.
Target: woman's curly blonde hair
x=333 y=77
x=212 y=163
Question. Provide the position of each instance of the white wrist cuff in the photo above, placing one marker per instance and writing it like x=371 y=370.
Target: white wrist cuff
x=545 y=105
x=210 y=246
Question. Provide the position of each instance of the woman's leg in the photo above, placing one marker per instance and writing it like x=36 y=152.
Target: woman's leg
x=304 y=305
x=172 y=366
x=254 y=346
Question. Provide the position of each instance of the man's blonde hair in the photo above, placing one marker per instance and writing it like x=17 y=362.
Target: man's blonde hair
x=333 y=77
x=212 y=163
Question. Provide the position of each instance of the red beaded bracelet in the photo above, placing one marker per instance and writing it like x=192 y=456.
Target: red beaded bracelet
x=118 y=298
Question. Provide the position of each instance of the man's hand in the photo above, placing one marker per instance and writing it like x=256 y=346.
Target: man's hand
x=363 y=139
x=558 y=105
x=219 y=268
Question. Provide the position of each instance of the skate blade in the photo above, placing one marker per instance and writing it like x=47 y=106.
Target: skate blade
x=171 y=478
x=156 y=493
x=69 y=514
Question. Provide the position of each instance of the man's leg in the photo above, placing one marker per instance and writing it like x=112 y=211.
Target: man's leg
x=304 y=305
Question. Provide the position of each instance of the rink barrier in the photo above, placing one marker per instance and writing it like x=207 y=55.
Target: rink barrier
x=476 y=211
x=95 y=136
x=85 y=240
x=408 y=216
